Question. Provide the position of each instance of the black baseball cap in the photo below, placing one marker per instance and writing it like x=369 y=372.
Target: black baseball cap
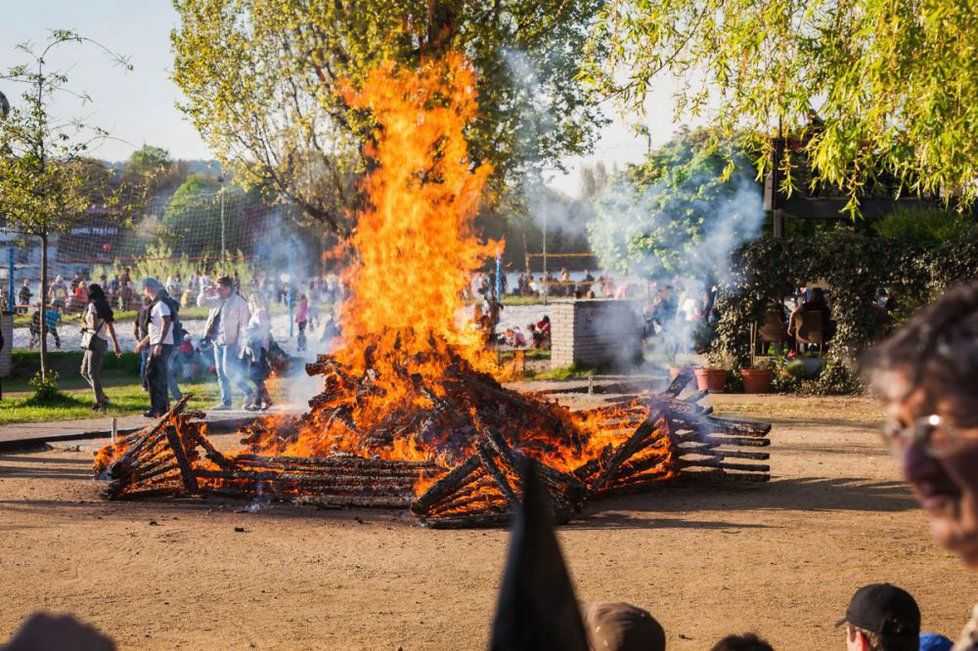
x=884 y=609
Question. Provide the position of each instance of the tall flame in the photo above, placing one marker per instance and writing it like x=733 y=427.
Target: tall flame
x=414 y=244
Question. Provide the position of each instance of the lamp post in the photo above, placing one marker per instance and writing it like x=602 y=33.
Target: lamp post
x=223 y=228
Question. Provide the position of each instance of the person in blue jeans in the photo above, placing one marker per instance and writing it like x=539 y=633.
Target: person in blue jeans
x=227 y=322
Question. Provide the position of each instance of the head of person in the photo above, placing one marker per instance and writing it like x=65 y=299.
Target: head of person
x=96 y=296
x=621 y=627
x=225 y=286
x=882 y=617
x=152 y=288
x=743 y=642
x=817 y=295
x=927 y=375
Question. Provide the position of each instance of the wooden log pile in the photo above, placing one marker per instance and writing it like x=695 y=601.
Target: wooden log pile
x=658 y=438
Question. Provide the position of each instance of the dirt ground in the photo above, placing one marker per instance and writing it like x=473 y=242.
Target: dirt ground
x=781 y=559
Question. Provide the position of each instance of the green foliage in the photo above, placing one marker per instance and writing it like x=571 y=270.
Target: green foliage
x=856 y=267
x=45 y=387
x=670 y=214
x=194 y=215
x=46 y=181
x=160 y=261
x=892 y=82
x=261 y=80
x=925 y=226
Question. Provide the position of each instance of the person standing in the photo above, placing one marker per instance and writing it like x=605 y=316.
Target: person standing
x=24 y=297
x=176 y=329
x=159 y=341
x=302 y=320
x=97 y=329
x=226 y=323
x=258 y=342
x=140 y=328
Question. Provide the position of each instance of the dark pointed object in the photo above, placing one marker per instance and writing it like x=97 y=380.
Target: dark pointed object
x=537 y=609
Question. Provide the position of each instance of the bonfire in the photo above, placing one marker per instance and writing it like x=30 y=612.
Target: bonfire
x=411 y=413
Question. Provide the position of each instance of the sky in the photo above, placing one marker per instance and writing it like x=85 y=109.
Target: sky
x=140 y=106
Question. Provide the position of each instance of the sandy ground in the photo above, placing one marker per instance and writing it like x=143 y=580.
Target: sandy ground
x=782 y=558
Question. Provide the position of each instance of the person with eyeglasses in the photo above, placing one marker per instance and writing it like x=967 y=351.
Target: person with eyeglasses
x=927 y=375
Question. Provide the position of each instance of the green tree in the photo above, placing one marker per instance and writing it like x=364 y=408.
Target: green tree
x=45 y=179
x=894 y=84
x=195 y=217
x=260 y=77
x=680 y=212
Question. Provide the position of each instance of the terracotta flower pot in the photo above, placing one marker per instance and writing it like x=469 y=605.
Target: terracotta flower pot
x=712 y=379
x=757 y=380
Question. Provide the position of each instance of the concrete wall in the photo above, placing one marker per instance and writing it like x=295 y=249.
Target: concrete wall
x=7 y=323
x=592 y=333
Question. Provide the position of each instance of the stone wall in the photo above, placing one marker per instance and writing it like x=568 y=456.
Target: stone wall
x=594 y=333
x=7 y=323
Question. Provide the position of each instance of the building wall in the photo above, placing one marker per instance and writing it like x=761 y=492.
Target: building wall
x=594 y=333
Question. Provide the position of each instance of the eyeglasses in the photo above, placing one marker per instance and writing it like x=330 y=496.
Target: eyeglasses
x=938 y=436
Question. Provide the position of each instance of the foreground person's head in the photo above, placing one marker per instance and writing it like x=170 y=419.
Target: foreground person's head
x=927 y=373
x=745 y=642
x=621 y=627
x=882 y=617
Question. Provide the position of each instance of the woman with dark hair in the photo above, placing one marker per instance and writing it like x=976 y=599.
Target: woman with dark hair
x=97 y=329
x=927 y=375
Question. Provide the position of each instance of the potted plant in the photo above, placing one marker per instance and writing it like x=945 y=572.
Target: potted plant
x=714 y=377
x=757 y=378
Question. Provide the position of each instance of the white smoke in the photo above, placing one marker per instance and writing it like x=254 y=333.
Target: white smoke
x=676 y=237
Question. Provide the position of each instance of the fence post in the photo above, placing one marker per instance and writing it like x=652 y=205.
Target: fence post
x=10 y=280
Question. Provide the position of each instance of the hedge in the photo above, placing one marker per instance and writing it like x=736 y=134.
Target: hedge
x=856 y=267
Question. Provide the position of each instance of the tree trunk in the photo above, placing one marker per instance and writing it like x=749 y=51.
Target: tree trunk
x=43 y=303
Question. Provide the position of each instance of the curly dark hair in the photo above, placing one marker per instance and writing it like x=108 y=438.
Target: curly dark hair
x=937 y=350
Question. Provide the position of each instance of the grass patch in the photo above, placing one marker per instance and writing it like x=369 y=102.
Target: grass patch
x=561 y=373
x=125 y=399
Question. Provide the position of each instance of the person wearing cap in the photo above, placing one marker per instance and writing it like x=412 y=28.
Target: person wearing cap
x=159 y=342
x=227 y=322
x=621 y=627
x=882 y=617
x=927 y=375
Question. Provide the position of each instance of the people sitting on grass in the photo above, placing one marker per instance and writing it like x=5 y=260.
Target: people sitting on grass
x=159 y=342
x=927 y=375
x=98 y=328
x=226 y=323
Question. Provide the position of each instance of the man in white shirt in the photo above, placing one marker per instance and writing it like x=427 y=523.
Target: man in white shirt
x=159 y=341
x=226 y=325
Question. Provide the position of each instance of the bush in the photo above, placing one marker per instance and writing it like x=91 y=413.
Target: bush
x=857 y=267
x=924 y=226
x=45 y=388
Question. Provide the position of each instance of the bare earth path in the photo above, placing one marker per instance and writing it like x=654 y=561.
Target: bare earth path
x=781 y=559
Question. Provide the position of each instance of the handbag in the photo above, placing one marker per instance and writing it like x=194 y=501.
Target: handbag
x=88 y=336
